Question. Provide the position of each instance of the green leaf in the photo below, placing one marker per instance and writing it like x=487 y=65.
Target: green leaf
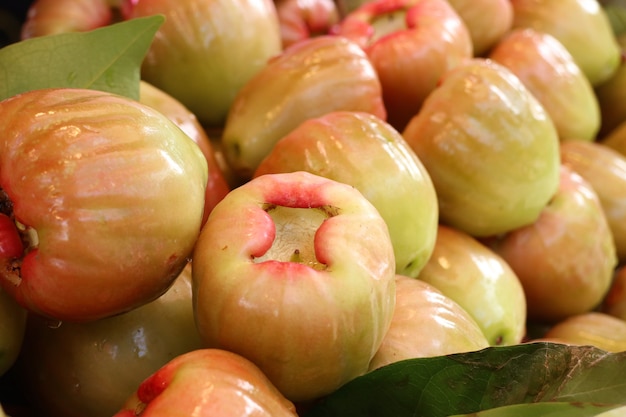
x=476 y=381
x=559 y=409
x=107 y=59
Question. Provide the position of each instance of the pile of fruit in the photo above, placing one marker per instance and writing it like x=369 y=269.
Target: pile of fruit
x=313 y=208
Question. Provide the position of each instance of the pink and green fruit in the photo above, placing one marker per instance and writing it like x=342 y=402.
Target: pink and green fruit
x=303 y=19
x=615 y=301
x=481 y=282
x=411 y=43
x=605 y=170
x=296 y=272
x=198 y=58
x=81 y=166
x=426 y=323
x=616 y=139
x=486 y=20
x=612 y=95
x=490 y=148
x=592 y=328
x=572 y=22
x=549 y=71
x=90 y=369
x=394 y=180
x=566 y=258
x=217 y=185
x=292 y=88
x=207 y=382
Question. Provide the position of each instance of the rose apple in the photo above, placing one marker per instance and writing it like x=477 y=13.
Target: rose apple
x=207 y=382
x=614 y=302
x=411 y=44
x=295 y=272
x=336 y=146
x=549 y=71
x=217 y=185
x=12 y=327
x=612 y=95
x=481 y=282
x=426 y=323
x=572 y=22
x=49 y=17
x=313 y=77
x=486 y=20
x=102 y=188
x=591 y=328
x=302 y=19
x=565 y=259
x=490 y=148
x=90 y=369
x=198 y=58
x=605 y=170
x=616 y=139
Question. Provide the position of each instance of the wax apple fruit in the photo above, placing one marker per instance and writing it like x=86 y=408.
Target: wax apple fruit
x=551 y=74
x=102 y=188
x=411 y=43
x=426 y=323
x=591 y=328
x=198 y=58
x=302 y=19
x=207 y=382
x=12 y=327
x=90 y=369
x=295 y=272
x=481 y=282
x=49 y=17
x=612 y=95
x=573 y=22
x=490 y=148
x=565 y=259
x=394 y=180
x=486 y=20
x=313 y=77
x=217 y=185
x=615 y=301
x=605 y=170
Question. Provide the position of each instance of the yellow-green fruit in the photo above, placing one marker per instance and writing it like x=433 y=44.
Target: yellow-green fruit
x=490 y=148
x=593 y=328
x=549 y=71
x=582 y=26
x=481 y=282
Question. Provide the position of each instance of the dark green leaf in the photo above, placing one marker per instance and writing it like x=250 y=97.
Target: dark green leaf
x=107 y=59
x=471 y=382
x=551 y=410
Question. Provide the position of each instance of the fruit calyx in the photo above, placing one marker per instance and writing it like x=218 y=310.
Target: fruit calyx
x=295 y=234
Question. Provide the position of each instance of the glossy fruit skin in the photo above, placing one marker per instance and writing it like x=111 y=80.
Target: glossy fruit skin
x=217 y=186
x=615 y=301
x=110 y=187
x=12 y=328
x=49 y=17
x=303 y=19
x=571 y=22
x=426 y=323
x=566 y=259
x=310 y=325
x=197 y=57
x=207 y=383
x=551 y=74
x=90 y=369
x=482 y=130
x=591 y=328
x=411 y=43
x=605 y=170
x=313 y=77
x=394 y=180
x=486 y=20
x=481 y=282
